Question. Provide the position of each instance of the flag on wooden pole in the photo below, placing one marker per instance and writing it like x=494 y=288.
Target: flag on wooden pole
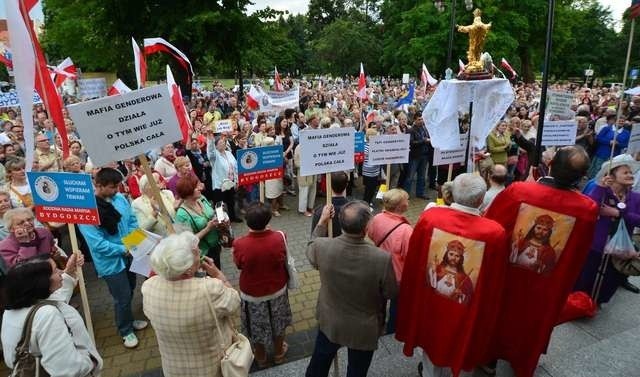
x=362 y=84
x=140 y=64
x=278 y=87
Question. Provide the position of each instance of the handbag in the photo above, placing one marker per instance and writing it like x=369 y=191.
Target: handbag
x=27 y=364
x=293 y=282
x=237 y=358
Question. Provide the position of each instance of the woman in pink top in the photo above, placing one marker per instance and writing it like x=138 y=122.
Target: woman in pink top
x=390 y=230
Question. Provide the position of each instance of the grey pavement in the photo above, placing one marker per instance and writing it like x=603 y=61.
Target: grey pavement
x=604 y=346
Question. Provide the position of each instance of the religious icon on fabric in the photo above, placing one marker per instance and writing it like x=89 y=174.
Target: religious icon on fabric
x=454 y=265
x=539 y=237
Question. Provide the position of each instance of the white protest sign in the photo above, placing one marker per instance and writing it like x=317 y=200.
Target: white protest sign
x=559 y=105
x=405 y=78
x=389 y=149
x=220 y=126
x=453 y=156
x=278 y=101
x=11 y=99
x=634 y=140
x=92 y=88
x=119 y=127
x=559 y=132
x=326 y=150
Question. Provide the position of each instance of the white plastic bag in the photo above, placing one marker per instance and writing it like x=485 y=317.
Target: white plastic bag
x=620 y=245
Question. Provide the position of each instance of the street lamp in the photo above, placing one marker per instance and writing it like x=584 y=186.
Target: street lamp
x=439 y=4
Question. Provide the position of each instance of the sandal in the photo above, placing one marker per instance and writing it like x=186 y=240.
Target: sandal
x=279 y=359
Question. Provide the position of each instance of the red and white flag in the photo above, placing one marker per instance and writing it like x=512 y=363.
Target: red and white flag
x=362 y=84
x=140 y=64
x=634 y=9
x=64 y=70
x=118 y=87
x=460 y=66
x=253 y=97
x=178 y=106
x=30 y=70
x=154 y=45
x=5 y=58
x=505 y=64
x=426 y=78
x=277 y=85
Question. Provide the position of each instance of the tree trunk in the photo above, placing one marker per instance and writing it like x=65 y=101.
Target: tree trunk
x=526 y=73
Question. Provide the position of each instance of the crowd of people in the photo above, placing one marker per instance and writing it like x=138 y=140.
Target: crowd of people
x=201 y=198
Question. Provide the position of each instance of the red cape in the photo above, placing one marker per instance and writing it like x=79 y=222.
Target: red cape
x=453 y=330
x=533 y=299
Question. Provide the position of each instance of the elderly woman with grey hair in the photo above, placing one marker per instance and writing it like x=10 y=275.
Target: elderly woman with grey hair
x=185 y=309
x=24 y=240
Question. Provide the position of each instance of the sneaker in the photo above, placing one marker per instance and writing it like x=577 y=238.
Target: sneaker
x=130 y=341
x=139 y=325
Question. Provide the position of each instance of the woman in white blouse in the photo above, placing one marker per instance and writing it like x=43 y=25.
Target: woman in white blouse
x=224 y=174
x=58 y=332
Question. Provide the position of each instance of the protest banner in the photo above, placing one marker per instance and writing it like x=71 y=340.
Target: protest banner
x=63 y=197
x=120 y=127
x=634 y=140
x=92 y=88
x=559 y=105
x=358 y=148
x=11 y=99
x=326 y=150
x=278 y=101
x=66 y=198
x=389 y=149
x=220 y=126
x=450 y=157
x=260 y=164
x=559 y=132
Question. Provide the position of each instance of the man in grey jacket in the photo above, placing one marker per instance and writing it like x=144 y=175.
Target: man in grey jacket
x=357 y=279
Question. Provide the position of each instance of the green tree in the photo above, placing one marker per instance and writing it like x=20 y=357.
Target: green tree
x=342 y=45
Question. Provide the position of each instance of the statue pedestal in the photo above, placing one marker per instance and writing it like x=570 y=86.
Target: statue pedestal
x=472 y=76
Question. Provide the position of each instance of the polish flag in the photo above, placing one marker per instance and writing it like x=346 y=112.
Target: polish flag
x=30 y=70
x=154 y=45
x=253 y=97
x=426 y=78
x=362 y=84
x=178 y=106
x=505 y=64
x=140 y=64
x=277 y=83
x=64 y=70
x=118 y=87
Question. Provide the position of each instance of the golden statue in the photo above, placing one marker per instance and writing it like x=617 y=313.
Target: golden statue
x=477 y=31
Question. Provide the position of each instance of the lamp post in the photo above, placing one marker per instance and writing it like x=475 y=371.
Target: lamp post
x=452 y=23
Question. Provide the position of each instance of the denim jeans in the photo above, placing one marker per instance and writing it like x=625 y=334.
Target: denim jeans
x=417 y=167
x=324 y=352
x=121 y=286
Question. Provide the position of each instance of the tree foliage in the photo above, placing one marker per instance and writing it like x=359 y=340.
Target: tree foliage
x=390 y=36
